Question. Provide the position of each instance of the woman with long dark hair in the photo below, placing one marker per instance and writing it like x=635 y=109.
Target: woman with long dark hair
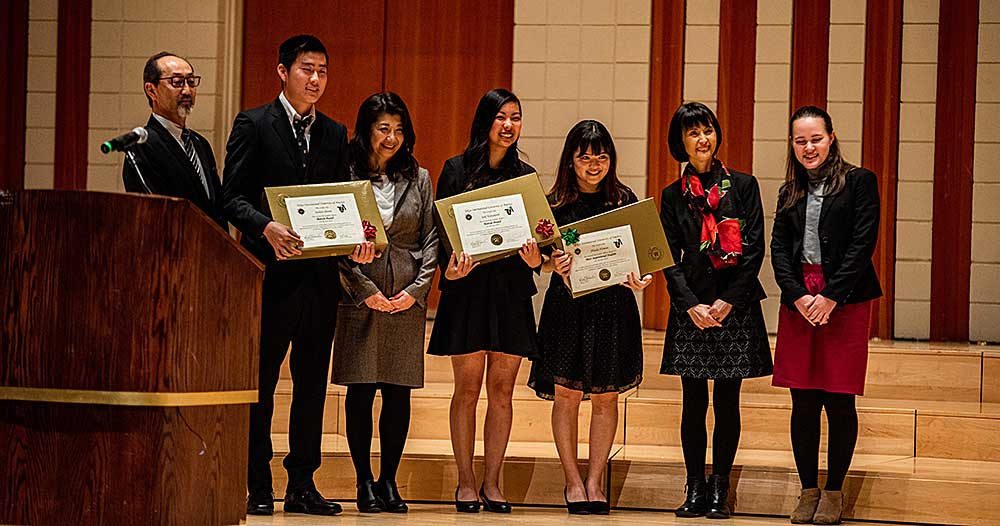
x=485 y=320
x=714 y=223
x=590 y=347
x=824 y=235
x=382 y=318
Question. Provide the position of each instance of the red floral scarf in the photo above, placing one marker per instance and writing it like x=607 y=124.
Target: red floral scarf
x=721 y=240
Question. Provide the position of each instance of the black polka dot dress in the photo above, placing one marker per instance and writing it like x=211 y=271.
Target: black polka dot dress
x=593 y=343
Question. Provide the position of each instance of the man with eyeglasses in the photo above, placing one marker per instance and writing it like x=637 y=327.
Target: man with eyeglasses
x=175 y=160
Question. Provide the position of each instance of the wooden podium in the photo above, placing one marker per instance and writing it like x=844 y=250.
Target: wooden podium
x=128 y=360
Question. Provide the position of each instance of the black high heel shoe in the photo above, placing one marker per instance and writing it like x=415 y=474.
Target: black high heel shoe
x=466 y=506
x=580 y=507
x=600 y=507
x=368 y=502
x=493 y=506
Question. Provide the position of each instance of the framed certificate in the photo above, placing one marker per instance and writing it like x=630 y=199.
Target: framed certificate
x=592 y=235
x=331 y=218
x=493 y=222
x=602 y=258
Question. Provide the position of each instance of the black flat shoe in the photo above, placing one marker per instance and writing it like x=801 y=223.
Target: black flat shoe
x=718 y=497
x=310 y=502
x=580 y=507
x=696 y=502
x=389 y=494
x=493 y=506
x=368 y=501
x=260 y=503
x=466 y=506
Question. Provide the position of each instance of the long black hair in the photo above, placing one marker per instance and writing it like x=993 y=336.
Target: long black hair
x=402 y=162
x=594 y=136
x=476 y=158
x=833 y=171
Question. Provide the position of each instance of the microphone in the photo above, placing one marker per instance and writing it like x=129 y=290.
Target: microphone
x=123 y=142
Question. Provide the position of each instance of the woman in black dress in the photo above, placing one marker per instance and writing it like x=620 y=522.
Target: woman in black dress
x=589 y=347
x=714 y=223
x=484 y=319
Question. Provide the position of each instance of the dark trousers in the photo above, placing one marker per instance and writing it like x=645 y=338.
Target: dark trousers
x=305 y=318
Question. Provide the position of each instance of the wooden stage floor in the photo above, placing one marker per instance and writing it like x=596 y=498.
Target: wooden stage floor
x=441 y=515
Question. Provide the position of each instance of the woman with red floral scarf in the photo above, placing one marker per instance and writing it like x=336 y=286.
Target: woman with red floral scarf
x=714 y=223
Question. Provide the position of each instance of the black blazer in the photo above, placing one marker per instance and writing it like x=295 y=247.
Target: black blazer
x=168 y=171
x=512 y=271
x=262 y=152
x=848 y=230
x=692 y=280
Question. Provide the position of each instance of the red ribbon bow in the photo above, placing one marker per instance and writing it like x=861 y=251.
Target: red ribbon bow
x=545 y=228
x=370 y=229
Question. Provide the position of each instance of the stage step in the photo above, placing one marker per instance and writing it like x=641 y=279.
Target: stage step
x=429 y=408
x=921 y=428
x=938 y=372
x=898 y=488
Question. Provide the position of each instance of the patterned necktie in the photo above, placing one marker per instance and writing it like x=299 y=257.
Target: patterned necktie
x=193 y=157
x=301 y=123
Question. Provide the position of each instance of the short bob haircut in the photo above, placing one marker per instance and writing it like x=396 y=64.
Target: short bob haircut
x=687 y=116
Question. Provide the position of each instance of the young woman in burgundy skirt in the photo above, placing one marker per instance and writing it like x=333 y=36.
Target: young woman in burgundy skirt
x=822 y=243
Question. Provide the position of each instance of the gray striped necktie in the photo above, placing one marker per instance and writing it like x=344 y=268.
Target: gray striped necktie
x=193 y=157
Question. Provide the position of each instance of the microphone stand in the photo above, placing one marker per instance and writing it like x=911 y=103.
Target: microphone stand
x=130 y=157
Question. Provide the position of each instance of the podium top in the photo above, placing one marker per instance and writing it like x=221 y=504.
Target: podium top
x=124 y=293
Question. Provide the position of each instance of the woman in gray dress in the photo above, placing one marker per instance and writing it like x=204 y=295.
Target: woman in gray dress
x=380 y=326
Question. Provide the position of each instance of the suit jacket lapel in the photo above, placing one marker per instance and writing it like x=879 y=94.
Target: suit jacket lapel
x=175 y=149
x=401 y=187
x=283 y=129
x=800 y=214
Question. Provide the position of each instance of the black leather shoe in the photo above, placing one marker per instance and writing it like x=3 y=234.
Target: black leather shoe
x=466 y=506
x=580 y=507
x=696 y=502
x=368 y=501
x=260 y=503
x=310 y=502
x=718 y=497
x=493 y=506
x=389 y=494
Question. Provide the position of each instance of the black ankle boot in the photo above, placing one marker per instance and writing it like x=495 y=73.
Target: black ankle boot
x=368 y=502
x=718 y=497
x=696 y=503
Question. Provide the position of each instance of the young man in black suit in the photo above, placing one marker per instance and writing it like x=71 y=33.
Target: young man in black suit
x=288 y=142
x=175 y=160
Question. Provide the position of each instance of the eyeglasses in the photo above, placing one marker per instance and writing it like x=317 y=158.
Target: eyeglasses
x=178 y=82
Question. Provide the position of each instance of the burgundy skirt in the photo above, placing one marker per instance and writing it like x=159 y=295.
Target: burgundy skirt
x=831 y=357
